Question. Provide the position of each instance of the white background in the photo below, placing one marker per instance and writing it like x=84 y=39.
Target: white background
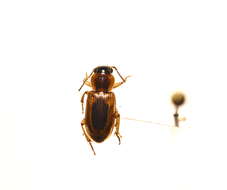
x=46 y=47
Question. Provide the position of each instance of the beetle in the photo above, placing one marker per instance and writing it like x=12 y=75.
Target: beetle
x=101 y=115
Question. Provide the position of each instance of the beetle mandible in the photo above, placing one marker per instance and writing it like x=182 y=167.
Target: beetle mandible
x=101 y=115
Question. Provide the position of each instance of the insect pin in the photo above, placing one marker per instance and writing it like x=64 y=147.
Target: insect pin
x=101 y=115
x=178 y=100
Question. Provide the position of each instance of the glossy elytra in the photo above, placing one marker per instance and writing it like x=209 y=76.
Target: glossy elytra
x=101 y=115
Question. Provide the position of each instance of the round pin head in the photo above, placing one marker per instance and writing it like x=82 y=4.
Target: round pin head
x=178 y=99
x=103 y=70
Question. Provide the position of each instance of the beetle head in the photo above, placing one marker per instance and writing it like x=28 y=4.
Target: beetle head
x=103 y=70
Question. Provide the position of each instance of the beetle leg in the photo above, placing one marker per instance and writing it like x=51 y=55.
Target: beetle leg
x=86 y=136
x=84 y=81
x=82 y=101
x=87 y=82
x=117 y=125
x=120 y=83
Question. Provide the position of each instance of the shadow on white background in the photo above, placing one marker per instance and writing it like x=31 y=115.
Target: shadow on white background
x=46 y=49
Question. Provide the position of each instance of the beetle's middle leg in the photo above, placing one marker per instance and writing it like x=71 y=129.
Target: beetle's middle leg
x=82 y=100
x=86 y=136
x=117 y=125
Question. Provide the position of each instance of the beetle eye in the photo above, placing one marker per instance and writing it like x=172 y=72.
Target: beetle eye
x=110 y=69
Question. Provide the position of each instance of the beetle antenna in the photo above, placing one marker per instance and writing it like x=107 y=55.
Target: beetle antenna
x=85 y=80
x=118 y=73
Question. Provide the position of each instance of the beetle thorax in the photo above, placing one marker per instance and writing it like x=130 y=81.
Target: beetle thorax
x=102 y=82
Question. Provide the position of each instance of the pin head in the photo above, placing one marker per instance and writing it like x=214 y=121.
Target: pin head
x=178 y=99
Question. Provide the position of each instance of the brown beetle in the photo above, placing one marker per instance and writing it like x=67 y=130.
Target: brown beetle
x=101 y=115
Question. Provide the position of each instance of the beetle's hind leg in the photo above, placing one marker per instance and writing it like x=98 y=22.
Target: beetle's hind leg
x=87 y=138
x=117 y=126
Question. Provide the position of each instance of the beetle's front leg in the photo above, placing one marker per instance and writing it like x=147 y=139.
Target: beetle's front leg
x=87 y=82
x=117 y=125
x=82 y=100
x=120 y=83
x=83 y=122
